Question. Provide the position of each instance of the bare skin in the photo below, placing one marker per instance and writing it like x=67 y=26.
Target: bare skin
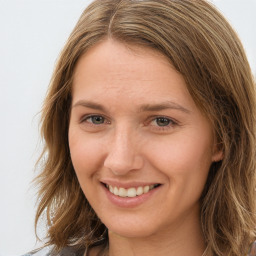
x=134 y=122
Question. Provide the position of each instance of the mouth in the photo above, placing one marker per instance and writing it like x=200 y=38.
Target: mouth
x=130 y=192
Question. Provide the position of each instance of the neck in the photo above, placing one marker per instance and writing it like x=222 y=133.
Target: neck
x=183 y=239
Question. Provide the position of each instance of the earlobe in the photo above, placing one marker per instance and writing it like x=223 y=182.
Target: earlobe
x=218 y=156
x=218 y=153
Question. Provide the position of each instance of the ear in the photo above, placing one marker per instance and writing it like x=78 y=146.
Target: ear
x=217 y=153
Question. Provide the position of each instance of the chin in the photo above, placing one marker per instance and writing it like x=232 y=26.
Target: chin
x=130 y=228
x=129 y=232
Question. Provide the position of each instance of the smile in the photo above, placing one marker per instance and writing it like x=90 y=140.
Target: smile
x=130 y=192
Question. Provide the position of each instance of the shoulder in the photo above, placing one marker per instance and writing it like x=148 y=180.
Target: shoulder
x=47 y=251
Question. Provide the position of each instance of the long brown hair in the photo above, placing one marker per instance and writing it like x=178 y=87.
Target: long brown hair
x=204 y=48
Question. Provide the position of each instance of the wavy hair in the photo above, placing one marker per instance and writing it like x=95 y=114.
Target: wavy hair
x=203 y=47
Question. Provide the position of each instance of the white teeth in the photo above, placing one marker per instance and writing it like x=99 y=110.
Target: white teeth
x=130 y=192
x=139 y=191
x=146 y=189
x=116 y=192
x=122 y=192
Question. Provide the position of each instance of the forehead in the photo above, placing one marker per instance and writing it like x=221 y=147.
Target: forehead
x=120 y=71
x=117 y=58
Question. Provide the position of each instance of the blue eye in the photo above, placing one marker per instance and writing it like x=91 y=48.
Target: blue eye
x=95 y=120
x=163 y=124
x=162 y=121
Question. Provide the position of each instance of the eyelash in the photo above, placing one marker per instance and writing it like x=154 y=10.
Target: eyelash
x=171 y=123
x=85 y=120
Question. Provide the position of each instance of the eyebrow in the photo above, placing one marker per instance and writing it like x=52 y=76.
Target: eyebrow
x=89 y=104
x=143 y=108
x=163 y=106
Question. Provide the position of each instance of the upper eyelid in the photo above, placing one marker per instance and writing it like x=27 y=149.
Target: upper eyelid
x=84 y=117
x=148 y=120
x=166 y=117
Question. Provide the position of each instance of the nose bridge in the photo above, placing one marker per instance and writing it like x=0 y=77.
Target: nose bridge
x=123 y=151
x=122 y=140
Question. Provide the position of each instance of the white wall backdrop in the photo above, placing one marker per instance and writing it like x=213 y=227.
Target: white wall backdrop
x=32 y=33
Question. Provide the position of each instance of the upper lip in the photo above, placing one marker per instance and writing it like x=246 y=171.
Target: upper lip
x=130 y=184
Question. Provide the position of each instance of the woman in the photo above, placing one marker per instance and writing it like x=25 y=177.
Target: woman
x=149 y=128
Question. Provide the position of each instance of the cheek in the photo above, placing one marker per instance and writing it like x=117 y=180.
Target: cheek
x=86 y=157
x=86 y=153
x=184 y=157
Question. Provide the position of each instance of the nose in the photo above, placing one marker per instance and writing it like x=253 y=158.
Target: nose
x=123 y=153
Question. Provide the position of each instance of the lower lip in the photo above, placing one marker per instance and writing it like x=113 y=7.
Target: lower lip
x=129 y=202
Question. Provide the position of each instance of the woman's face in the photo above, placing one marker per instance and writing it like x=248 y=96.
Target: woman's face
x=135 y=130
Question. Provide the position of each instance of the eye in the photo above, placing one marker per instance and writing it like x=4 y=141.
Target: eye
x=94 y=119
x=162 y=121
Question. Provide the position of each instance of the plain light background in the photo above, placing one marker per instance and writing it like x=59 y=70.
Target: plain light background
x=32 y=33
